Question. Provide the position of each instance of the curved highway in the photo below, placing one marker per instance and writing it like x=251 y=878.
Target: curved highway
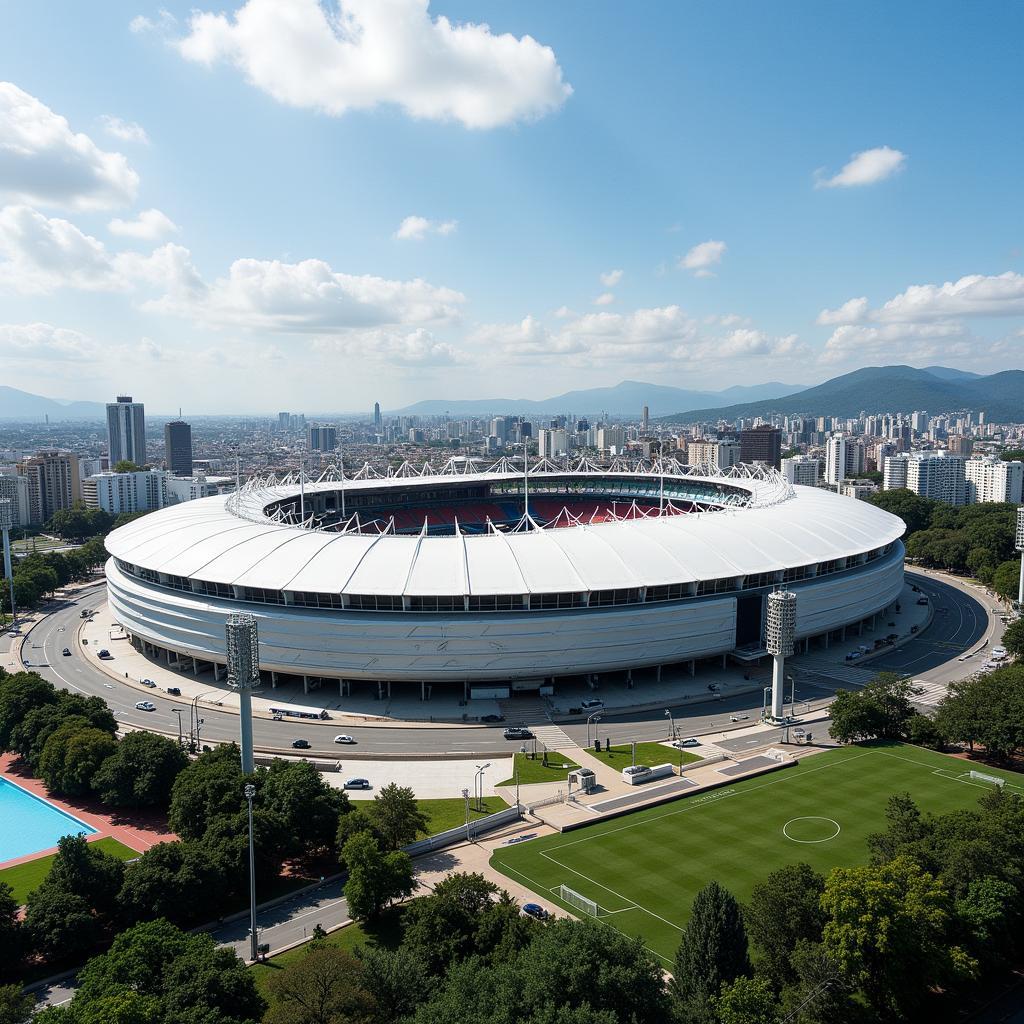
x=959 y=623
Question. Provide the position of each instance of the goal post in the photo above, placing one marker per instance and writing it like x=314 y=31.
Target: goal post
x=578 y=901
x=994 y=780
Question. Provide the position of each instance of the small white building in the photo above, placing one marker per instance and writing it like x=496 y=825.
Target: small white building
x=801 y=469
x=994 y=480
x=140 y=491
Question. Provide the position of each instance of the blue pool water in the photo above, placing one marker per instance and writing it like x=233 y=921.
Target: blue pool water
x=29 y=824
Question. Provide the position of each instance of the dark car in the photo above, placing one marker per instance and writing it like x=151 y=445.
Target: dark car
x=148 y=682
x=518 y=732
x=535 y=910
x=301 y=744
x=493 y=718
x=66 y=652
x=357 y=784
x=103 y=653
x=922 y=600
x=174 y=691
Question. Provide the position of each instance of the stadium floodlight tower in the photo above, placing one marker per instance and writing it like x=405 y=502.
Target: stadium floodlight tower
x=244 y=675
x=1020 y=547
x=6 y=522
x=780 y=630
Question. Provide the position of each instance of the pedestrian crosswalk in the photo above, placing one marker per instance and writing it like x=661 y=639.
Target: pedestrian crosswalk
x=931 y=694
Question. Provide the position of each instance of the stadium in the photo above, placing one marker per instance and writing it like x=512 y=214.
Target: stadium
x=499 y=580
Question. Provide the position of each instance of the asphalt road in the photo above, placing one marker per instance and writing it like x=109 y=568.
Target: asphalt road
x=960 y=622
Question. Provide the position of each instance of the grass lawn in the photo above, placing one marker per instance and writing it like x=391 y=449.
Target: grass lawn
x=644 y=869
x=530 y=771
x=387 y=933
x=650 y=754
x=451 y=812
x=23 y=878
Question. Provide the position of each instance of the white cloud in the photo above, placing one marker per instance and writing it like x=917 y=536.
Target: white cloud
x=342 y=55
x=414 y=348
x=610 y=278
x=43 y=161
x=415 y=228
x=307 y=297
x=850 y=312
x=898 y=343
x=864 y=168
x=604 y=299
x=702 y=257
x=44 y=342
x=150 y=225
x=973 y=295
x=163 y=23
x=127 y=131
x=562 y=313
x=41 y=254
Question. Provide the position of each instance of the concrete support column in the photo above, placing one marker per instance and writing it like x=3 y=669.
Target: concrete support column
x=195 y=666
x=465 y=689
x=693 y=667
x=273 y=680
x=778 y=682
x=724 y=660
x=657 y=673
x=305 y=684
x=843 y=635
x=629 y=678
x=389 y=689
x=825 y=638
x=423 y=690
x=860 y=628
x=245 y=728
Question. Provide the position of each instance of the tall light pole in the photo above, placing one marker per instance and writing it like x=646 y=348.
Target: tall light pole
x=595 y=718
x=250 y=792
x=1019 y=546
x=780 y=629
x=671 y=723
x=243 y=675
x=177 y=711
x=479 y=780
x=6 y=522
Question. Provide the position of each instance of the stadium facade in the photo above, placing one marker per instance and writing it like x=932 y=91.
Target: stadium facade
x=493 y=577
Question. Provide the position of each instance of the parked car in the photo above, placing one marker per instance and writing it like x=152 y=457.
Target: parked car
x=357 y=784
x=922 y=600
x=301 y=744
x=104 y=653
x=145 y=705
x=535 y=910
x=690 y=741
x=591 y=704
x=492 y=718
x=66 y=652
x=343 y=739
x=174 y=691
x=148 y=682
x=518 y=732
x=739 y=717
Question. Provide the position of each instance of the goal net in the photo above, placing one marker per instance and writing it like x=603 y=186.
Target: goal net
x=581 y=903
x=994 y=780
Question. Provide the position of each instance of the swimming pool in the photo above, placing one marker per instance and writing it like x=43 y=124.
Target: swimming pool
x=29 y=824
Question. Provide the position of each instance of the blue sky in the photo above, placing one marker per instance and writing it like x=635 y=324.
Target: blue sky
x=368 y=201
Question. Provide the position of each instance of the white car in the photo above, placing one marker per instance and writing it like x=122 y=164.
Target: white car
x=998 y=652
x=343 y=739
x=690 y=741
x=739 y=717
x=145 y=705
x=591 y=704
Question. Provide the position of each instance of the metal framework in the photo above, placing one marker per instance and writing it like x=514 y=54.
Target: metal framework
x=243 y=656
x=779 y=635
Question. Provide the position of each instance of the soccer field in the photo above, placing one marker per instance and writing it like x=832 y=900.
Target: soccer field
x=644 y=869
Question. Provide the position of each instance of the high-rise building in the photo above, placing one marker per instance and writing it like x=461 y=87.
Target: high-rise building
x=377 y=420
x=645 y=419
x=126 y=431
x=52 y=483
x=894 y=472
x=178 y=447
x=115 y=493
x=721 y=454
x=611 y=437
x=284 y=420
x=552 y=444
x=321 y=438
x=960 y=444
x=801 y=469
x=938 y=475
x=15 y=489
x=761 y=444
x=993 y=480
x=835 y=459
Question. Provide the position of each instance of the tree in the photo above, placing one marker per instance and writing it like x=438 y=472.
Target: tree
x=397 y=980
x=210 y=787
x=354 y=819
x=375 y=878
x=821 y=993
x=881 y=710
x=889 y=931
x=39 y=723
x=86 y=870
x=923 y=731
x=126 y=466
x=747 y=1001
x=986 y=709
x=12 y=936
x=712 y=951
x=785 y=909
x=305 y=804
x=1013 y=639
x=60 y=924
x=397 y=816
x=141 y=772
x=19 y=694
x=324 y=986
x=156 y=886
x=1006 y=579
x=16 y=1006
x=72 y=756
x=914 y=510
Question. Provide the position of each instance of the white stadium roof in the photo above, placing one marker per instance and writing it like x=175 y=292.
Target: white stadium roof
x=229 y=541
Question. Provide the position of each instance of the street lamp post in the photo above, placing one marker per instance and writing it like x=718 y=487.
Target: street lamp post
x=478 y=780
x=250 y=792
x=177 y=711
x=671 y=724
x=595 y=718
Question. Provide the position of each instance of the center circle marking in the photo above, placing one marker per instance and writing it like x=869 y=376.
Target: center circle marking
x=794 y=821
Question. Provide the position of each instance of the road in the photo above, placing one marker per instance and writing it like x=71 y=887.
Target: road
x=959 y=624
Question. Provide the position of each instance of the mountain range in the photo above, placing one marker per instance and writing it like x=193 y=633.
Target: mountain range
x=20 y=405
x=624 y=399
x=935 y=389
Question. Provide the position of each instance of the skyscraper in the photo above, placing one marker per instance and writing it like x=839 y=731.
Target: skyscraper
x=53 y=483
x=178 y=447
x=321 y=438
x=377 y=421
x=761 y=444
x=126 y=430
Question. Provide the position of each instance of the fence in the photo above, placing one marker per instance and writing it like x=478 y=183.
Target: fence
x=463 y=832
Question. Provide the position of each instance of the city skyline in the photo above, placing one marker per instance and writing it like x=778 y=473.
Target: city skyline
x=566 y=197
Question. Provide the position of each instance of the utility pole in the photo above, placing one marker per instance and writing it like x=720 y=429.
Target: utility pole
x=250 y=792
x=243 y=675
x=780 y=628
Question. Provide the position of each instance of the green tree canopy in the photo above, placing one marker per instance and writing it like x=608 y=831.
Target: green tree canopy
x=881 y=709
x=375 y=878
x=72 y=755
x=141 y=772
x=325 y=986
x=396 y=816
